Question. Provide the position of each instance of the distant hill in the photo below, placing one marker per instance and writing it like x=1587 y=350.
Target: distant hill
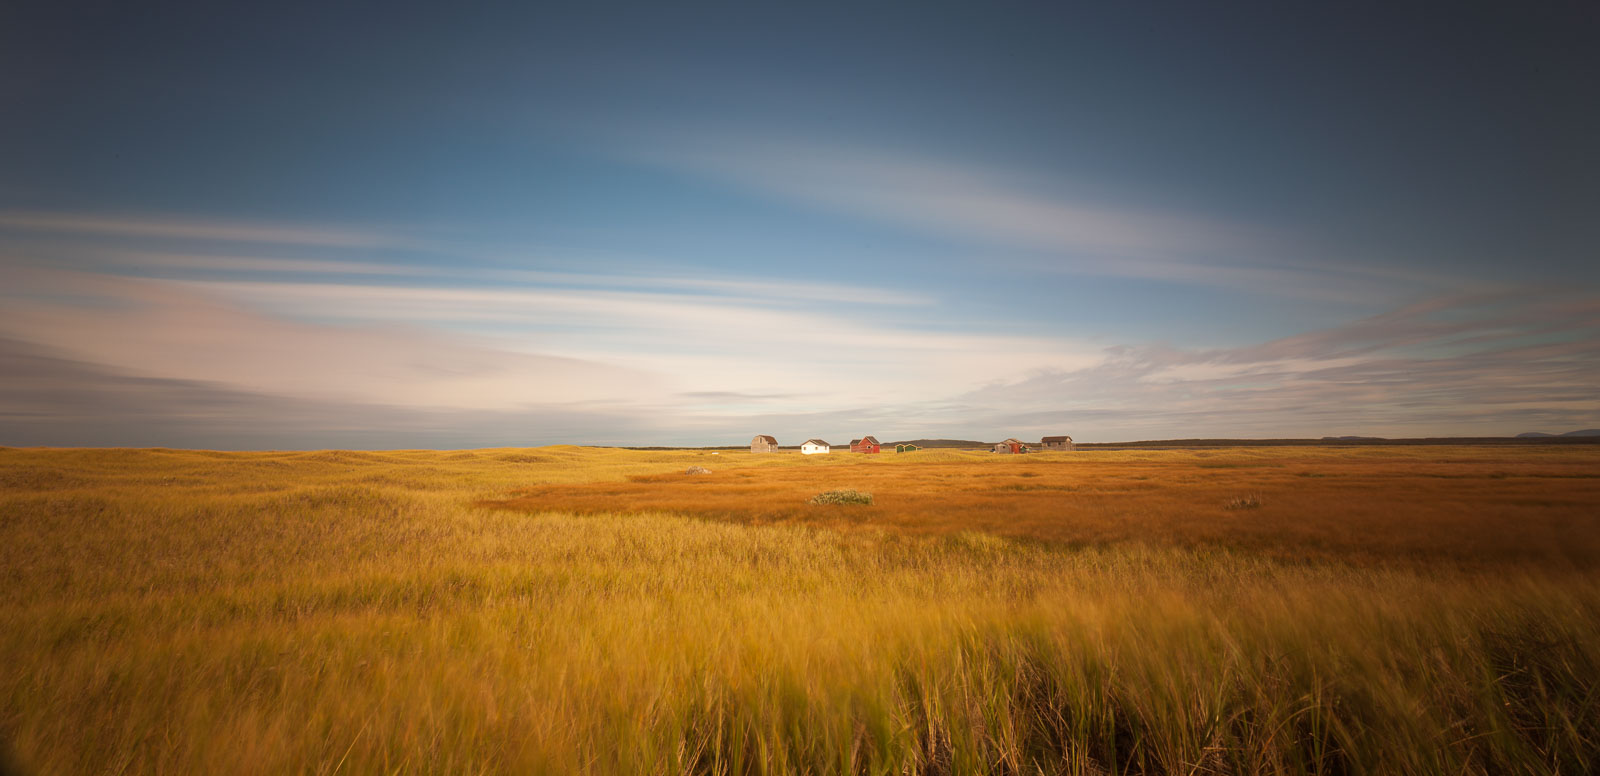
x=965 y=443
x=1185 y=444
x=1588 y=432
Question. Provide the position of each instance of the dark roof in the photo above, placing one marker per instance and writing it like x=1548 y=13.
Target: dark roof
x=868 y=439
x=816 y=442
x=1012 y=440
x=764 y=438
x=1057 y=439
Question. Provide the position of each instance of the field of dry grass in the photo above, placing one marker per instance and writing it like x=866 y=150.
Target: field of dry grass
x=1470 y=506
x=563 y=610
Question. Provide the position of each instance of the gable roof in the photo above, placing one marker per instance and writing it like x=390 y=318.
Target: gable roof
x=1057 y=439
x=816 y=442
x=765 y=438
x=868 y=439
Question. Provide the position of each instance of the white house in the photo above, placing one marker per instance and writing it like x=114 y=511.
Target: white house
x=813 y=447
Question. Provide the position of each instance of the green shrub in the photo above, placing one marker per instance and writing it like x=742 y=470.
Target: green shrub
x=842 y=497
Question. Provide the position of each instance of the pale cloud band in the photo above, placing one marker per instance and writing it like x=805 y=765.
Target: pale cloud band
x=180 y=347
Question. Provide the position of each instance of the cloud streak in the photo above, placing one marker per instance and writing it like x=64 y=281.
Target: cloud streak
x=1042 y=232
x=1483 y=365
x=169 y=228
x=49 y=399
x=180 y=264
x=477 y=347
x=161 y=330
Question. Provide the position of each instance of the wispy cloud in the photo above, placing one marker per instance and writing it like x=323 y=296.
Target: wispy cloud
x=1039 y=228
x=49 y=398
x=1451 y=366
x=486 y=334
x=472 y=270
x=166 y=227
x=480 y=347
x=723 y=343
x=954 y=198
x=763 y=289
x=166 y=262
x=163 y=330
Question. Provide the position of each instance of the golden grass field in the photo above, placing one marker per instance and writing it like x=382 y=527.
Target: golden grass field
x=568 y=610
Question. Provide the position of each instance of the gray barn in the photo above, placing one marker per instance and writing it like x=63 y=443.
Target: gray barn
x=763 y=444
x=1057 y=443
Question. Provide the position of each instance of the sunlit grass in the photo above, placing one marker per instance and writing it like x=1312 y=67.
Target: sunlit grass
x=182 y=612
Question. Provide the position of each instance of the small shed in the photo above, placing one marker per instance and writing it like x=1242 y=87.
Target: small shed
x=1057 y=443
x=814 y=447
x=865 y=444
x=1011 y=447
x=763 y=443
x=906 y=448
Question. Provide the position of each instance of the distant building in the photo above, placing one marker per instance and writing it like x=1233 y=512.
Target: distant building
x=1057 y=443
x=763 y=444
x=814 y=447
x=906 y=448
x=1011 y=447
x=865 y=444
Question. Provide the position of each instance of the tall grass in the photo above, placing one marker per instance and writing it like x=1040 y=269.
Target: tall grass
x=174 y=612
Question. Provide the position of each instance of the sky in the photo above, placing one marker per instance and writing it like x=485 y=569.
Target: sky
x=384 y=226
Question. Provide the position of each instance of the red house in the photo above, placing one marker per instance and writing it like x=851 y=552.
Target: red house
x=1011 y=447
x=865 y=444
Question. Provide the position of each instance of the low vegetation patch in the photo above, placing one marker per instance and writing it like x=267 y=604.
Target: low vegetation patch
x=1247 y=501
x=842 y=497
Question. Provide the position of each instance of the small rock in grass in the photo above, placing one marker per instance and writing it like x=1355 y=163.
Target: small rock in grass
x=697 y=470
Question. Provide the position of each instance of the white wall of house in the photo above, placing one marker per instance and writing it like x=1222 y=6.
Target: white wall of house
x=811 y=449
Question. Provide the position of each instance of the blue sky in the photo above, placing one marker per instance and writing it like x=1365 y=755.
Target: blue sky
x=678 y=224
